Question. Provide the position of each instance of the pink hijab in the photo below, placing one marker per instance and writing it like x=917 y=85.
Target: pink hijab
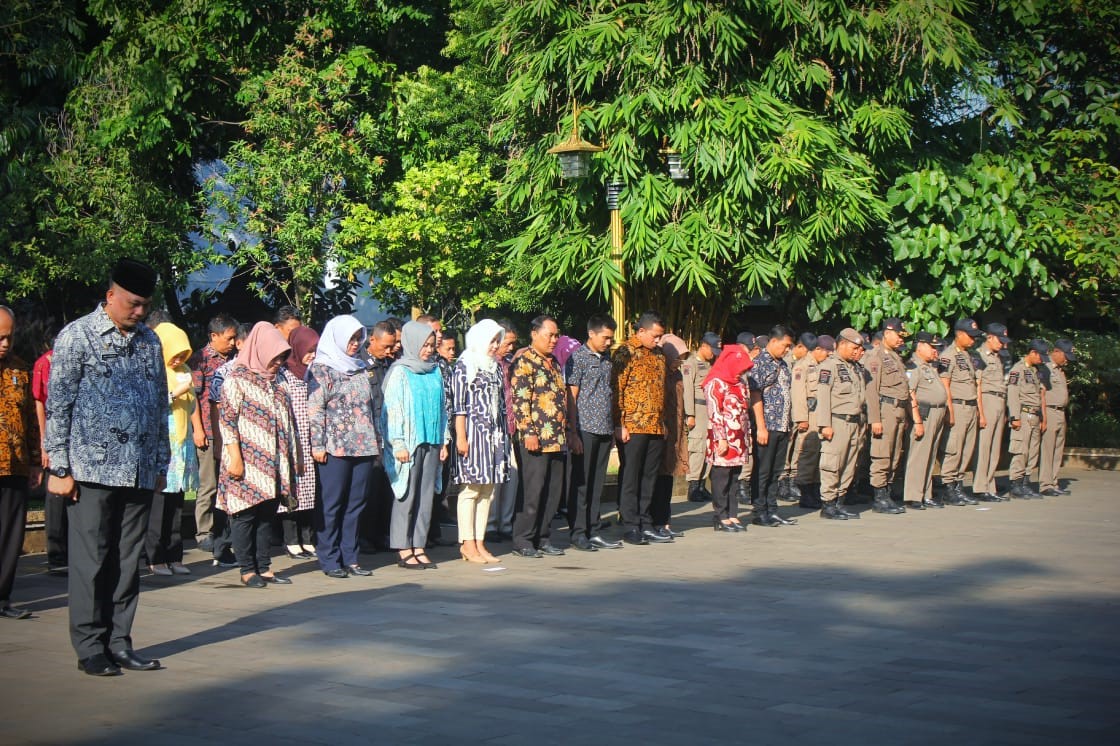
x=264 y=344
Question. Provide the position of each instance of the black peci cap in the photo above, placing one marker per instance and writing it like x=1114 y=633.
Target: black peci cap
x=135 y=277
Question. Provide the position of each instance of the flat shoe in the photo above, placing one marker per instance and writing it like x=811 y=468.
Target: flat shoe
x=359 y=570
x=410 y=565
x=10 y=613
x=160 y=570
x=179 y=568
x=98 y=665
x=130 y=660
x=254 y=581
x=276 y=579
x=337 y=573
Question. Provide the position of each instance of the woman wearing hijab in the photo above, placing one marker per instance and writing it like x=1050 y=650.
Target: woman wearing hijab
x=299 y=534
x=164 y=541
x=729 y=432
x=260 y=451
x=481 y=442
x=674 y=457
x=343 y=443
x=414 y=420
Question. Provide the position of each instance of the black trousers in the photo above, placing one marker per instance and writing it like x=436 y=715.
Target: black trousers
x=107 y=526
x=251 y=530
x=661 y=504
x=56 y=527
x=374 y=524
x=770 y=462
x=725 y=480
x=298 y=528
x=13 y=519
x=589 y=472
x=640 y=460
x=542 y=484
x=164 y=540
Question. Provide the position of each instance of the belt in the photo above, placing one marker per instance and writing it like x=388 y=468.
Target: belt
x=1059 y=407
x=968 y=402
x=701 y=401
x=932 y=406
x=1031 y=410
x=846 y=417
x=892 y=401
x=1000 y=394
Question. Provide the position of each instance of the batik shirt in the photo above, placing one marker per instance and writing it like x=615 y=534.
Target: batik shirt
x=539 y=399
x=591 y=373
x=638 y=387
x=19 y=427
x=203 y=365
x=107 y=404
x=772 y=379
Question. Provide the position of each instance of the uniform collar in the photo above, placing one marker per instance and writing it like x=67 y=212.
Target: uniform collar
x=103 y=325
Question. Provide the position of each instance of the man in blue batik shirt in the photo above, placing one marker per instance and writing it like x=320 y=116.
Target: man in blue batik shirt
x=108 y=444
x=771 y=399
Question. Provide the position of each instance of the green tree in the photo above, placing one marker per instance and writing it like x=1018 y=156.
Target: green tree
x=792 y=117
x=312 y=147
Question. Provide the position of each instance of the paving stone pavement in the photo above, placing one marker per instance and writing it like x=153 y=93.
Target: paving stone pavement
x=961 y=626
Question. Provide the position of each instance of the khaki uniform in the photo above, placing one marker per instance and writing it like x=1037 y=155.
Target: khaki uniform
x=960 y=438
x=1054 y=439
x=840 y=397
x=806 y=453
x=1024 y=403
x=888 y=399
x=993 y=397
x=926 y=384
x=693 y=372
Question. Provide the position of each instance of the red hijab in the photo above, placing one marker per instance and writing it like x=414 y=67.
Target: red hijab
x=729 y=367
x=303 y=340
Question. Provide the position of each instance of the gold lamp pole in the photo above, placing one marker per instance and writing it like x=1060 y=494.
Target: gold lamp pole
x=618 y=289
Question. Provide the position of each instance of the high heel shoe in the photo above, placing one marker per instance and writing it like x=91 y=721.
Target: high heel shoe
x=475 y=558
x=160 y=570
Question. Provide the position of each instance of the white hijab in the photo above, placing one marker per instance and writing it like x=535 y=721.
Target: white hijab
x=475 y=357
x=331 y=350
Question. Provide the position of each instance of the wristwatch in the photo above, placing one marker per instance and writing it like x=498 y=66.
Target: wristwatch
x=59 y=471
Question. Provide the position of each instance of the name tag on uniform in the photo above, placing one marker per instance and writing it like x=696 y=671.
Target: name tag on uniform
x=962 y=363
x=1028 y=377
x=845 y=377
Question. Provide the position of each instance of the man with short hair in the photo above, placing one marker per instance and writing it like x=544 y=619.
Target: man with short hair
x=638 y=391
x=1026 y=414
x=803 y=392
x=888 y=400
x=840 y=397
x=787 y=486
x=958 y=374
x=771 y=399
x=374 y=525
x=446 y=349
x=991 y=412
x=693 y=371
x=504 y=501
x=588 y=376
x=1057 y=399
x=20 y=459
x=218 y=350
x=286 y=319
x=540 y=411
x=108 y=444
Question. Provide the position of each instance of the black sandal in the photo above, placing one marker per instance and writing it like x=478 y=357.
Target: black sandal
x=417 y=565
x=426 y=563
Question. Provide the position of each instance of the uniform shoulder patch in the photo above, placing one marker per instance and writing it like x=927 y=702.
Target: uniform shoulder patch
x=825 y=377
x=1013 y=378
x=797 y=374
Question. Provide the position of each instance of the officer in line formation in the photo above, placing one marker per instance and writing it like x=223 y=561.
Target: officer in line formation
x=858 y=406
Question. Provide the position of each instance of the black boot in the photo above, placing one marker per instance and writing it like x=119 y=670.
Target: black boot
x=704 y=493
x=744 y=493
x=850 y=515
x=954 y=498
x=794 y=490
x=783 y=489
x=694 y=495
x=1020 y=490
x=811 y=496
x=968 y=499
x=830 y=510
x=882 y=502
x=1030 y=490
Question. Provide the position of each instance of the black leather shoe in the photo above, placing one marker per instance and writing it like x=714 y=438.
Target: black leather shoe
x=784 y=521
x=98 y=665
x=276 y=579
x=719 y=525
x=528 y=552
x=671 y=533
x=254 y=581
x=10 y=613
x=583 y=544
x=934 y=503
x=1050 y=492
x=957 y=501
x=359 y=570
x=765 y=519
x=655 y=538
x=1063 y=490
x=550 y=551
x=337 y=572
x=987 y=497
x=130 y=660
x=601 y=543
x=634 y=537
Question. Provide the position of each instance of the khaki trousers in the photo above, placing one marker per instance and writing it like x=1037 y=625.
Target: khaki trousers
x=838 y=459
x=1024 y=446
x=698 y=466
x=960 y=443
x=473 y=509
x=1053 y=444
x=989 y=441
x=920 y=457
x=886 y=450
